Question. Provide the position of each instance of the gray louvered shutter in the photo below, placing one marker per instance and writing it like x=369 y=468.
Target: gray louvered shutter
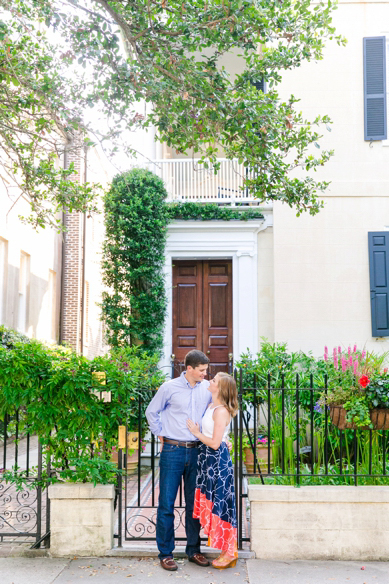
x=379 y=285
x=374 y=74
x=260 y=85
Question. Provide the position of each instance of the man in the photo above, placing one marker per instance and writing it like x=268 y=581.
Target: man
x=175 y=402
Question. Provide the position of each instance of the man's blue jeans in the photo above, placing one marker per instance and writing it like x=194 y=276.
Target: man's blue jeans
x=177 y=462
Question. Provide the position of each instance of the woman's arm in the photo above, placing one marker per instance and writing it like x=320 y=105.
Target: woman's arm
x=221 y=418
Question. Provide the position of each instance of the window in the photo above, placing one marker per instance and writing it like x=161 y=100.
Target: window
x=52 y=293
x=3 y=278
x=24 y=281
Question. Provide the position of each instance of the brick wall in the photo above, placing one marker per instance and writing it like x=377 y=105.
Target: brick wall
x=93 y=337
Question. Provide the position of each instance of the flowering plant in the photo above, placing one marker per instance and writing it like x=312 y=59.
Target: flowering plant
x=355 y=382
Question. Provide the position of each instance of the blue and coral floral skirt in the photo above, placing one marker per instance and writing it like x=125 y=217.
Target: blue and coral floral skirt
x=214 y=502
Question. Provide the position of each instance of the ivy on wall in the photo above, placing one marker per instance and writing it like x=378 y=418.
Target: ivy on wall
x=210 y=211
x=136 y=221
x=133 y=256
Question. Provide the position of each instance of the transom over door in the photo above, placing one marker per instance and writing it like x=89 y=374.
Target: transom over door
x=202 y=311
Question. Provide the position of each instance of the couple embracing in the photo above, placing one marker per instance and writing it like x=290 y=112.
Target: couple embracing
x=192 y=416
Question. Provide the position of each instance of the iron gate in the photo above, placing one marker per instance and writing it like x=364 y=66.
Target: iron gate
x=24 y=511
x=138 y=488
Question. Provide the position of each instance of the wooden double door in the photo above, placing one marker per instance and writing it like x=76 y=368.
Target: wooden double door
x=202 y=312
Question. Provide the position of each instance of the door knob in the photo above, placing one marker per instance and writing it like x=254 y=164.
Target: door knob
x=208 y=352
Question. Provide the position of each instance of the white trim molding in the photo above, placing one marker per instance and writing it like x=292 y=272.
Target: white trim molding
x=236 y=240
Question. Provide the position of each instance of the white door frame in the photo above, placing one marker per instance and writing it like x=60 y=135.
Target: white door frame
x=236 y=240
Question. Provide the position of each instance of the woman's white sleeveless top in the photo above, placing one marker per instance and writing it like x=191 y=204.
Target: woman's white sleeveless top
x=207 y=424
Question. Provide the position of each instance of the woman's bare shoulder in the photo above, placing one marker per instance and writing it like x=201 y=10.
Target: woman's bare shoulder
x=221 y=413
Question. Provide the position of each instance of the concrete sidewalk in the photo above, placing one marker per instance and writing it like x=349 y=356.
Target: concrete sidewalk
x=112 y=571
x=117 y=570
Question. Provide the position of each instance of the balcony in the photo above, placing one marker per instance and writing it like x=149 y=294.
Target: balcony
x=187 y=180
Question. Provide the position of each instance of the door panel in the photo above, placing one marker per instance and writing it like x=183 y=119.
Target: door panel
x=217 y=305
x=187 y=307
x=202 y=311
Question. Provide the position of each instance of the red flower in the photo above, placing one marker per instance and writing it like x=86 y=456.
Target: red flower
x=364 y=381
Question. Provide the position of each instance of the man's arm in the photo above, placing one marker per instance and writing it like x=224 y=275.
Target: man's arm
x=154 y=409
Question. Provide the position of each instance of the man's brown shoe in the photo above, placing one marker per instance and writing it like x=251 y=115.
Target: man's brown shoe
x=169 y=564
x=199 y=559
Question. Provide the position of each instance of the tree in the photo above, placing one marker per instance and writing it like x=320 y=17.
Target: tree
x=171 y=63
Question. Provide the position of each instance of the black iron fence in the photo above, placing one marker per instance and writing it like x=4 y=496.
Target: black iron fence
x=283 y=434
x=24 y=510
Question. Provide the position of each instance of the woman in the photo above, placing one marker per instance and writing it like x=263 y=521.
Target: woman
x=215 y=495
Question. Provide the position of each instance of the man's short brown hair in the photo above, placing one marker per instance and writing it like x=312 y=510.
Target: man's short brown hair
x=195 y=358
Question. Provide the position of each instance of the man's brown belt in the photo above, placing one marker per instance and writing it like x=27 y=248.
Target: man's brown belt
x=191 y=444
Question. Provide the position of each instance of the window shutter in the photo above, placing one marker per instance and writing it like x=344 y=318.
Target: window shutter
x=379 y=285
x=374 y=74
x=260 y=85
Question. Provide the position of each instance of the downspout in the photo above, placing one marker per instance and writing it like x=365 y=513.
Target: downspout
x=82 y=325
x=65 y=165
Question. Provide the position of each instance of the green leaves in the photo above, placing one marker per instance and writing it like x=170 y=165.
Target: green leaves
x=172 y=71
x=51 y=388
x=136 y=221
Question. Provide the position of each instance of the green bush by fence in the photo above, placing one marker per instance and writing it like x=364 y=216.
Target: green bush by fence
x=52 y=391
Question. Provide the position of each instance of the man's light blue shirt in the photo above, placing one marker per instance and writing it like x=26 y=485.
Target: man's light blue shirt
x=173 y=404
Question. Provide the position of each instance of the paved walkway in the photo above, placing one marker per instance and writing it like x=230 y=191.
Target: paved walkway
x=140 y=570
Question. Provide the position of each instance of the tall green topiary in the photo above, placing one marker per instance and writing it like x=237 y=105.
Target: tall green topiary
x=136 y=222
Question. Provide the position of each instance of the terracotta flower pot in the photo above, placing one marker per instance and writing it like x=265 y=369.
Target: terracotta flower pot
x=262 y=459
x=132 y=461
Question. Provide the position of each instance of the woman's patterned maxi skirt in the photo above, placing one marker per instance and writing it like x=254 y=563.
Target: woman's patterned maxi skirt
x=214 y=502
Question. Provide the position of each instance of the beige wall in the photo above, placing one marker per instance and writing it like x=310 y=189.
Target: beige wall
x=321 y=270
x=44 y=254
x=321 y=274
x=266 y=284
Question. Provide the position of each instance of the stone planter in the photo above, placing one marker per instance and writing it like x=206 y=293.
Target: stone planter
x=262 y=459
x=81 y=519
x=379 y=419
x=319 y=522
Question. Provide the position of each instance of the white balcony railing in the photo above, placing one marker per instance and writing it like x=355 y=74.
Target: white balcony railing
x=187 y=180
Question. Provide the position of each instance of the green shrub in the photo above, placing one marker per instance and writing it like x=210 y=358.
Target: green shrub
x=53 y=390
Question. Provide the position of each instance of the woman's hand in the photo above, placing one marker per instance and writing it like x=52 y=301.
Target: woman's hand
x=193 y=428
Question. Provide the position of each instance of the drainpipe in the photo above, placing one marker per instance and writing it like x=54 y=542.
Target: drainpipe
x=82 y=327
x=65 y=165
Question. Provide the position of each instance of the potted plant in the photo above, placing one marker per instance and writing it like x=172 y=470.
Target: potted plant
x=358 y=393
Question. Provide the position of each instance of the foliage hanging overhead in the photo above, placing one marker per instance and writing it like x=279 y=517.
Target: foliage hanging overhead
x=159 y=62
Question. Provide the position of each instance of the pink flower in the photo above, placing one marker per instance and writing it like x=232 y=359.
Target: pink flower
x=350 y=361
x=355 y=349
x=339 y=349
x=363 y=354
x=355 y=367
x=344 y=364
x=336 y=364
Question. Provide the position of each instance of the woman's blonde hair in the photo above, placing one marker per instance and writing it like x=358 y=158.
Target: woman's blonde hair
x=227 y=392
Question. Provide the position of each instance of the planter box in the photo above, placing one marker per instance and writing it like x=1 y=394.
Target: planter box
x=81 y=519
x=379 y=419
x=320 y=523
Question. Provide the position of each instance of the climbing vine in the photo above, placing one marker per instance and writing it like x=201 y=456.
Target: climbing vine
x=136 y=221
